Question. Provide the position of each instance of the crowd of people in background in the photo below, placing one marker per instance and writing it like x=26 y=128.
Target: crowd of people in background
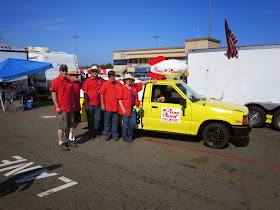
x=111 y=96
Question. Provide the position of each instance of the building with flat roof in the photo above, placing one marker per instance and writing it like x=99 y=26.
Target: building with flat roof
x=133 y=61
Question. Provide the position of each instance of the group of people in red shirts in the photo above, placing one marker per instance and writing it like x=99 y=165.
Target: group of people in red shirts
x=110 y=96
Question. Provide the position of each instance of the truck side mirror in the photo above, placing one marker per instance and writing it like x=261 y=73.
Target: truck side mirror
x=183 y=102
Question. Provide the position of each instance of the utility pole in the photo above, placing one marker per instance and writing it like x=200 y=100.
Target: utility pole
x=156 y=37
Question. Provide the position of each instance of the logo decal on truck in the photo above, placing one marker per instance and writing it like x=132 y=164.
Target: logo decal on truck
x=170 y=115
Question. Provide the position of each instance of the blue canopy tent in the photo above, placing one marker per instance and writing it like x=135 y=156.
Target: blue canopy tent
x=15 y=68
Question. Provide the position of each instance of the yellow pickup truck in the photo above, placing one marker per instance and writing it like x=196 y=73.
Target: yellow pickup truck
x=172 y=106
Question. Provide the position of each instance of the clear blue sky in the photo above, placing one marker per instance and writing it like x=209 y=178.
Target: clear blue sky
x=108 y=25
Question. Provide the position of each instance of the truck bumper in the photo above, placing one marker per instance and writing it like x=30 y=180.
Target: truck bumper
x=242 y=131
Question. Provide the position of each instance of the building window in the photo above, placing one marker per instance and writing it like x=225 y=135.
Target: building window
x=120 y=62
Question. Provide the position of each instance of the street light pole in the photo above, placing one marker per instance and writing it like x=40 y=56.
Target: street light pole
x=210 y=19
x=76 y=61
x=75 y=37
x=156 y=37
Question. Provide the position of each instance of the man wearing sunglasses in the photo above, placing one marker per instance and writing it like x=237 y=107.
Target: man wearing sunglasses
x=110 y=106
x=62 y=96
x=92 y=100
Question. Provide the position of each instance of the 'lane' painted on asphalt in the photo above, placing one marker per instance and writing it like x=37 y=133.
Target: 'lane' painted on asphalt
x=22 y=167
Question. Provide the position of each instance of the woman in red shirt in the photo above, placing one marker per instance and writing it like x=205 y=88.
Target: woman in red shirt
x=128 y=98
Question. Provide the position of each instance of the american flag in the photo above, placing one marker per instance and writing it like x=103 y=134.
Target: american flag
x=231 y=40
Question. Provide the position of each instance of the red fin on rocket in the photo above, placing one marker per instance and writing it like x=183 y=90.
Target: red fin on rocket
x=156 y=76
x=156 y=60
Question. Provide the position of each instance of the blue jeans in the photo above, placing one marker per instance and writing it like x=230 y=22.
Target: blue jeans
x=93 y=117
x=111 y=123
x=129 y=123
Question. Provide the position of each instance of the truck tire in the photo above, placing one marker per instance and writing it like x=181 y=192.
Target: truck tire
x=257 y=116
x=276 y=120
x=216 y=135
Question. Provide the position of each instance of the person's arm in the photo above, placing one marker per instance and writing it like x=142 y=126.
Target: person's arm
x=54 y=98
x=122 y=107
x=73 y=101
x=102 y=102
x=148 y=81
x=86 y=100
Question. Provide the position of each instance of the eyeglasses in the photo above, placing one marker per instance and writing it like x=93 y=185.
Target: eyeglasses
x=94 y=71
x=64 y=70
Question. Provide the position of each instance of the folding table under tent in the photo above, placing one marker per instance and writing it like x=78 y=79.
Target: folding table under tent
x=14 y=68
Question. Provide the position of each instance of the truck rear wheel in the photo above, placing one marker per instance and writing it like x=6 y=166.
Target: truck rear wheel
x=276 y=120
x=216 y=135
x=257 y=116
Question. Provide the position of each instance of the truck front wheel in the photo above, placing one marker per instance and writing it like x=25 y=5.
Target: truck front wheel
x=257 y=116
x=216 y=135
x=276 y=120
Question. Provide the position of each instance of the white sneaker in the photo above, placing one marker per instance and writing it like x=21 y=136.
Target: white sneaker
x=71 y=137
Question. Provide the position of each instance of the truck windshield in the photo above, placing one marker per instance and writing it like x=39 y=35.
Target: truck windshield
x=190 y=93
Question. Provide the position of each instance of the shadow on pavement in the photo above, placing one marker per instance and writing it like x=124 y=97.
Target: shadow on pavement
x=139 y=133
x=11 y=185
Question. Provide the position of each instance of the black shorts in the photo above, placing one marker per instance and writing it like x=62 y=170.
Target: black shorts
x=77 y=117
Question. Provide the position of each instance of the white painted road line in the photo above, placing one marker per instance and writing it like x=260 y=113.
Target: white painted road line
x=62 y=178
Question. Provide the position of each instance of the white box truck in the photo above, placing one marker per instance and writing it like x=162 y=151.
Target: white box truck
x=43 y=79
x=252 y=79
x=6 y=52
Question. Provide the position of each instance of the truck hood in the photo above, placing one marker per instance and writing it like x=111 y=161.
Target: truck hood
x=223 y=105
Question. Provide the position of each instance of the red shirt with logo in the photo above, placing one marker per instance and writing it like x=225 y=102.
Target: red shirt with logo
x=92 y=86
x=124 y=94
x=110 y=91
x=77 y=85
x=63 y=89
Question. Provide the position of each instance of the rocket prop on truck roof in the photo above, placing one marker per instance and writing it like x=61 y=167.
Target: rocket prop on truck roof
x=162 y=68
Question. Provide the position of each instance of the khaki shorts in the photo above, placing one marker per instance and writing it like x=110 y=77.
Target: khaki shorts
x=64 y=120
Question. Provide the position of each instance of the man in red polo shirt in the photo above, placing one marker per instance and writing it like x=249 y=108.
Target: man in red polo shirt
x=77 y=86
x=92 y=100
x=109 y=104
x=62 y=97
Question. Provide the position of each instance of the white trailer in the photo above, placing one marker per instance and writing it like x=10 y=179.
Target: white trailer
x=6 y=52
x=252 y=79
x=44 y=78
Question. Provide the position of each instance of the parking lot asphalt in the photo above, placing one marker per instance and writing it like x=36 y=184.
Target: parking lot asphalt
x=156 y=171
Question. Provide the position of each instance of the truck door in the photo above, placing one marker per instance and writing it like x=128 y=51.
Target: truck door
x=168 y=110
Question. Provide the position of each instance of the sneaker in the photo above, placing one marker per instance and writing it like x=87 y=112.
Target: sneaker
x=71 y=137
x=71 y=144
x=63 y=147
x=116 y=138
x=107 y=138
